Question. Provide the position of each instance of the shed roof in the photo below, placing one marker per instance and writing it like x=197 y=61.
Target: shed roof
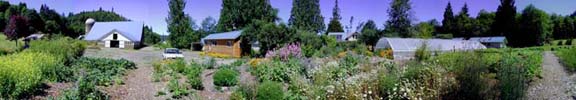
x=497 y=39
x=132 y=30
x=411 y=44
x=221 y=36
x=225 y=35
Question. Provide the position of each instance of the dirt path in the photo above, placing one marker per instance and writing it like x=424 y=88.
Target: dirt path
x=138 y=83
x=555 y=82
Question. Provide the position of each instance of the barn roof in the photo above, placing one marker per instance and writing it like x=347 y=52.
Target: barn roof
x=411 y=44
x=132 y=30
x=498 y=39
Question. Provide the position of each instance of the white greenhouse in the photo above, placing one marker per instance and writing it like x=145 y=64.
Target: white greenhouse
x=405 y=48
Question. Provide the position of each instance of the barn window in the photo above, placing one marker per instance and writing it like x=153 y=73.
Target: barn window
x=229 y=43
x=114 y=36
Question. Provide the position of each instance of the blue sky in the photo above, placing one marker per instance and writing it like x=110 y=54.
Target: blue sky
x=154 y=12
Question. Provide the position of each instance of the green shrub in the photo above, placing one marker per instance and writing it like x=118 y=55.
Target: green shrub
x=21 y=73
x=568 y=58
x=103 y=70
x=513 y=79
x=193 y=75
x=225 y=77
x=269 y=90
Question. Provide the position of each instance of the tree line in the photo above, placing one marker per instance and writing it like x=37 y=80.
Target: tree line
x=17 y=21
x=531 y=27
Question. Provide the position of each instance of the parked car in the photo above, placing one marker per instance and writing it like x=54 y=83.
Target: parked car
x=172 y=53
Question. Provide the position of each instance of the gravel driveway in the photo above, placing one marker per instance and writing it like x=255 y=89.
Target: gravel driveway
x=555 y=82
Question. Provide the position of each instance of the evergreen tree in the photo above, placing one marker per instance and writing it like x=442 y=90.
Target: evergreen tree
x=305 y=15
x=448 y=21
x=505 y=21
x=463 y=23
x=36 y=22
x=179 y=25
x=399 y=21
x=335 y=25
x=237 y=14
x=570 y=27
x=535 y=26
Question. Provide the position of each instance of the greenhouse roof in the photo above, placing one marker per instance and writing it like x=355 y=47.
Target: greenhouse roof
x=411 y=44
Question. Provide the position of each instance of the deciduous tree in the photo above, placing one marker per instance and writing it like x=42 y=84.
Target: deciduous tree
x=237 y=14
x=535 y=26
x=17 y=28
x=369 y=33
x=179 y=25
x=399 y=21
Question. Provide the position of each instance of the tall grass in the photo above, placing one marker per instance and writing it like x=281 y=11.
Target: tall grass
x=568 y=58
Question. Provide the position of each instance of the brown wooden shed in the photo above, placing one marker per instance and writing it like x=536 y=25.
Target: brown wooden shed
x=227 y=43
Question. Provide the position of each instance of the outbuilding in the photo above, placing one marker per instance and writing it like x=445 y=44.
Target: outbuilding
x=491 y=42
x=343 y=36
x=227 y=43
x=405 y=48
x=125 y=34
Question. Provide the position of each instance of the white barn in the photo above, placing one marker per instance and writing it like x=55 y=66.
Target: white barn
x=125 y=34
x=405 y=48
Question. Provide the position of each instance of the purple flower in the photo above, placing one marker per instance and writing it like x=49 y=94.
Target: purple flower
x=286 y=52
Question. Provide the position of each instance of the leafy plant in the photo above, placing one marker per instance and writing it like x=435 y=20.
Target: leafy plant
x=270 y=90
x=193 y=74
x=225 y=77
x=177 y=89
x=513 y=78
x=21 y=73
x=84 y=89
x=277 y=70
x=210 y=64
x=103 y=70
